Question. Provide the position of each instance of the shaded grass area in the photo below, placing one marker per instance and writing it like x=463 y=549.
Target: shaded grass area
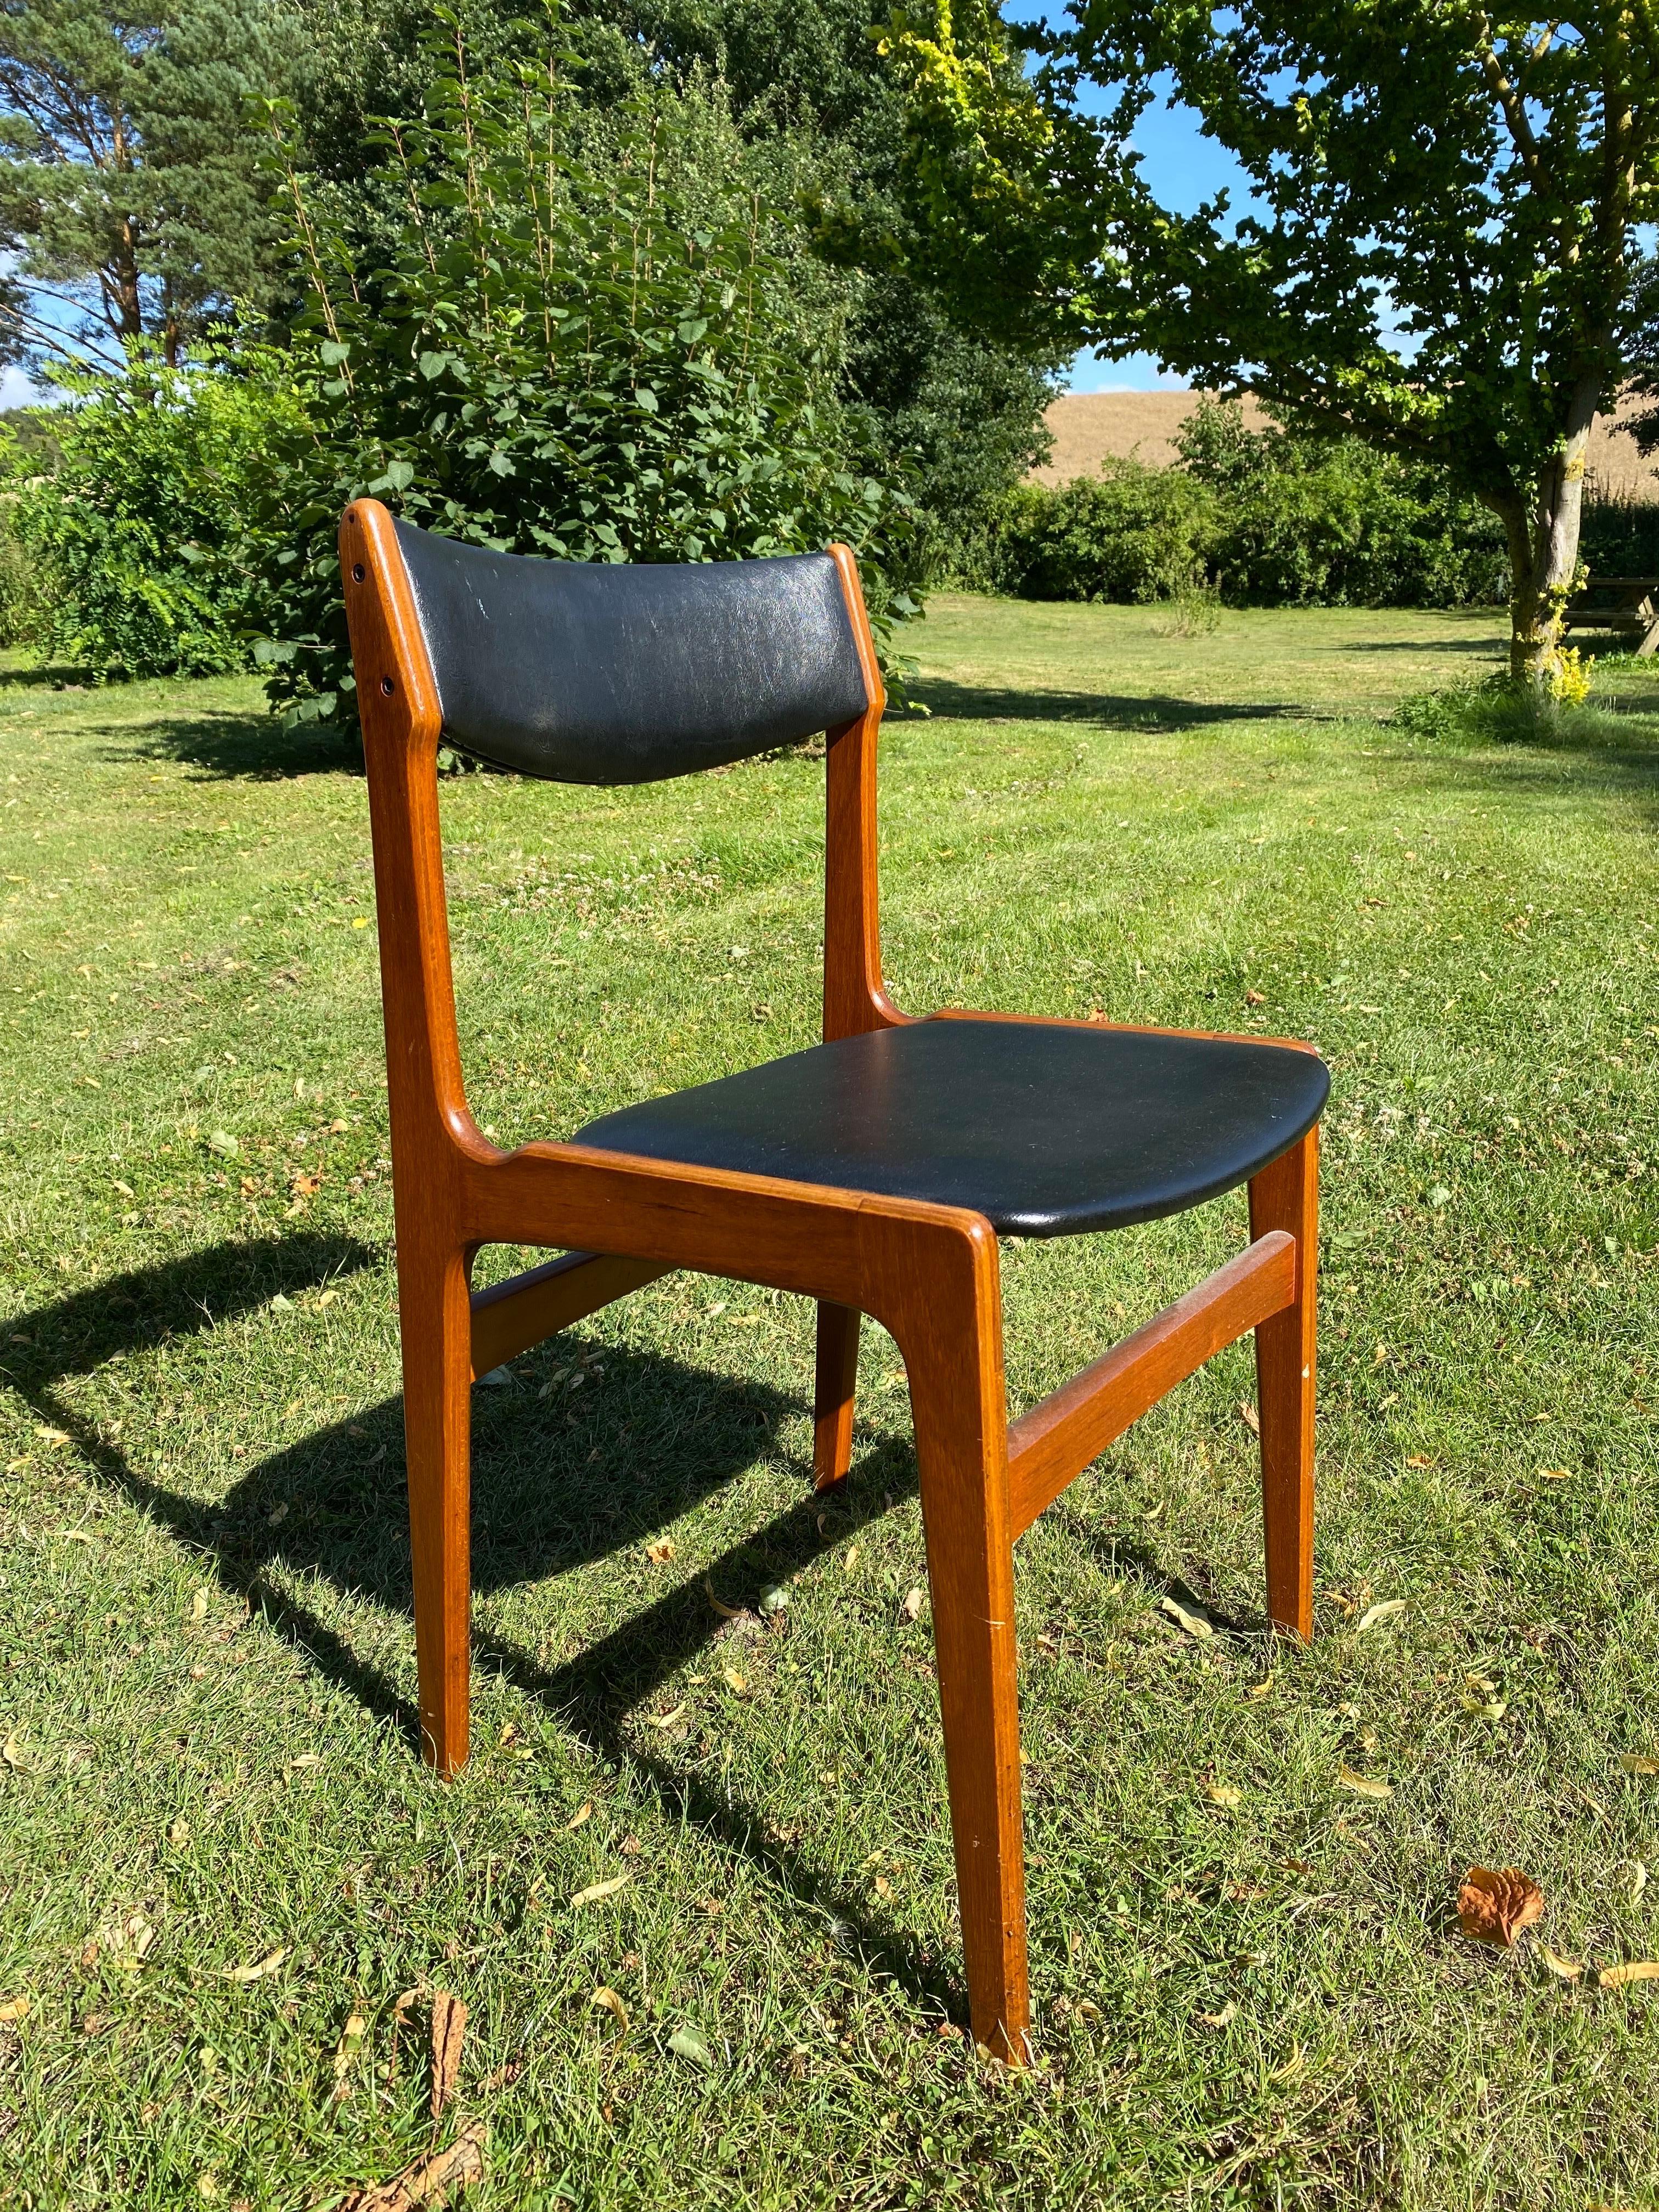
x=207 y=1674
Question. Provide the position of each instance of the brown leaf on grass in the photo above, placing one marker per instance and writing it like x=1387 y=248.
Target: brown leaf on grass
x=596 y=1890
x=1228 y=2014
x=1251 y=1418
x=1564 y=1969
x=659 y=1553
x=448 y=2028
x=1363 y=1785
x=726 y=1612
x=1495 y=1903
x=437 y=2178
x=1634 y=1970
x=258 y=1969
x=346 y=2050
x=13 y=2009
x=910 y=1608
x=1194 y=1624
x=1635 y=1762
x=12 y=1751
x=1255 y=998
x=582 y=1812
x=611 y=2004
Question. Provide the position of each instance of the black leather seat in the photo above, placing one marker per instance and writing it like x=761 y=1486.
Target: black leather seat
x=1047 y=1131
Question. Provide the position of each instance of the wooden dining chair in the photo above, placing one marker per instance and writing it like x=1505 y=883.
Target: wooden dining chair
x=872 y=1173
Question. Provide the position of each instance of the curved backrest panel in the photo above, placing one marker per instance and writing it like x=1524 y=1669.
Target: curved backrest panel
x=595 y=673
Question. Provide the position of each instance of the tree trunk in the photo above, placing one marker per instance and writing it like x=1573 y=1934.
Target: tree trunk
x=1544 y=547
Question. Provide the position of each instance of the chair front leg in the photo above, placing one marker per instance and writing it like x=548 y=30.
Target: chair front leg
x=1286 y=1196
x=435 y=1315
x=835 y=1382
x=960 y=1412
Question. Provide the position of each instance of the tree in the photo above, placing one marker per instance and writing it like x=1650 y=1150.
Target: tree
x=575 y=352
x=129 y=189
x=1442 y=254
x=819 y=124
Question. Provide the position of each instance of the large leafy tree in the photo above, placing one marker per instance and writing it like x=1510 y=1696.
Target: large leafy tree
x=130 y=196
x=819 y=124
x=1443 y=249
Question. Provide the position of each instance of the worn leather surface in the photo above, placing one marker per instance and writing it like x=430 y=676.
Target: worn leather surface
x=1047 y=1131
x=592 y=674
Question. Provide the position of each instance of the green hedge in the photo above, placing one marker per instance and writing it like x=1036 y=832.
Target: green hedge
x=1263 y=518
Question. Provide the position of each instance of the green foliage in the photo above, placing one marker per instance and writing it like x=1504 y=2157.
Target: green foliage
x=1445 y=244
x=584 y=358
x=1132 y=532
x=128 y=174
x=1313 y=522
x=809 y=118
x=144 y=524
x=1259 y=519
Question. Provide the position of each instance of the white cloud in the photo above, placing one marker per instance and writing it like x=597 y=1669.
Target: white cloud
x=17 y=390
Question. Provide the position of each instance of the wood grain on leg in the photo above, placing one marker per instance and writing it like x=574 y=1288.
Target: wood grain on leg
x=953 y=1353
x=834 y=1385
x=1286 y=1196
x=436 y=1317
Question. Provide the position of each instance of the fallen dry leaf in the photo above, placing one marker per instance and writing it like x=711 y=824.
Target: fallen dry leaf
x=1495 y=1903
x=1635 y=1970
x=1555 y=1473
x=1362 y=1784
x=346 y=2050
x=435 y=2179
x=582 y=1813
x=734 y=1680
x=912 y=1601
x=1224 y=1794
x=596 y=1890
x=1261 y=1688
x=666 y=1720
x=1419 y=1459
x=1385 y=1611
x=1637 y=1762
x=849 y=1558
x=1228 y=2013
x=660 y=1553
x=612 y=2003
x=198 y=1606
x=1194 y=1623
x=1566 y=1969
x=259 y=1968
x=1251 y=1418
x=448 y=2031
x=726 y=1612
x=12 y=1751
x=14 y=2009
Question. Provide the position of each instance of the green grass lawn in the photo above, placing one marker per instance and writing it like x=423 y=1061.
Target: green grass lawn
x=206 y=1658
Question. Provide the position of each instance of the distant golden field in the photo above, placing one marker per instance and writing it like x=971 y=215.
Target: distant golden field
x=1089 y=427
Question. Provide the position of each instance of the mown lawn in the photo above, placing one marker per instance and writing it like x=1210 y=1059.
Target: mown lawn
x=206 y=1673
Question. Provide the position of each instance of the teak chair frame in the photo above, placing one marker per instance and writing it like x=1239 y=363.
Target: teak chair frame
x=927 y=1272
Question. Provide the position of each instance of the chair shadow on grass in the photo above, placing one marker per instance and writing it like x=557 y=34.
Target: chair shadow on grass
x=334 y=1505
x=1152 y=713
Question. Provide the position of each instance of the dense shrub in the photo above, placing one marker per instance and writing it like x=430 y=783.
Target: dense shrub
x=1131 y=532
x=1265 y=519
x=588 y=357
x=142 y=524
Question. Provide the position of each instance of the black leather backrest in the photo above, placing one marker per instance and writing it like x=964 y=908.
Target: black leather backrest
x=595 y=673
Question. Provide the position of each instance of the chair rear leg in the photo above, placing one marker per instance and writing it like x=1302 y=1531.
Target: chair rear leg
x=961 y=1455
x=832 y=1395
x=1286 y=1196
x=436 y=1312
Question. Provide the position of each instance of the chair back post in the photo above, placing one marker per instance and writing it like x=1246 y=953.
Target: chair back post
x=398 y=705
x=855 y=998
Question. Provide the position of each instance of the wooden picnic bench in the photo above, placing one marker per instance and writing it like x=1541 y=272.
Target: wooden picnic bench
x=1628 y=605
